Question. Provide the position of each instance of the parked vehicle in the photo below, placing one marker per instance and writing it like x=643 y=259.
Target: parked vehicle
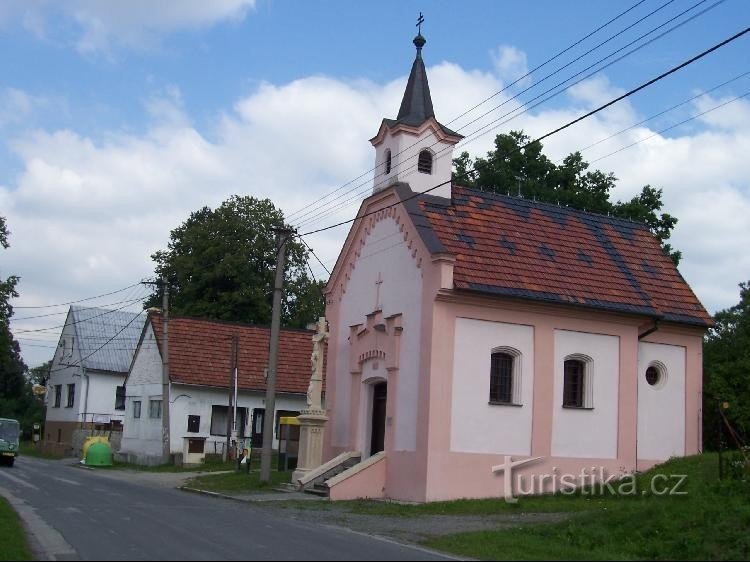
x=10 y=432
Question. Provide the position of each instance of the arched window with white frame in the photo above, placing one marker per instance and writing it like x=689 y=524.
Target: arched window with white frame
x=578 y=381
x=505 y=376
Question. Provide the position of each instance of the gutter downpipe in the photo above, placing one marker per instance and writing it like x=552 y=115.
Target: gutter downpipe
x=648 y=332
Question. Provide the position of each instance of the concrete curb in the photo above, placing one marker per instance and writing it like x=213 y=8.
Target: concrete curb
x=255 y=500
x=45 y=541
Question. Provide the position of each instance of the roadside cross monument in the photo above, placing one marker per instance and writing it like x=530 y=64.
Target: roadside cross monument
x=312 y=420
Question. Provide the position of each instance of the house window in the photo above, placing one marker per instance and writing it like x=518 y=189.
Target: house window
x=58 y=395
x=194 y=424
x=136 y=409
x=388 y=161
x=71 y=395
x=154 y=409
x=220 y=417
x=501 y=378
x=120 y=398
x=424 y=164
x=577 y=382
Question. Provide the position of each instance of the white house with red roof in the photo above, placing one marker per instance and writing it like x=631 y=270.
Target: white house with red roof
x=201 y=382
x=479 y=342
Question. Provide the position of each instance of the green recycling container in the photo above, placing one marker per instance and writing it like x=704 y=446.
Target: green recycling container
x=99 y=454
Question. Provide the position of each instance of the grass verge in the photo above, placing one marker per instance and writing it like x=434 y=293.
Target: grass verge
x=13 y=545
x=28 y=449
x=711 y=521
x=238 y=482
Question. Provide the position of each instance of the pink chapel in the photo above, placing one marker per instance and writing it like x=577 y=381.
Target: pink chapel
x=469 y=329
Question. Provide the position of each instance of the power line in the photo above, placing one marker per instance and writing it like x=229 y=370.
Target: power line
x=81 y=300
x=316 y=257
x=657 y=133
x=561 y=128
x=484 y=129
x=18 y=319
x=663 y=112
x=130 y=303
x=505 y=88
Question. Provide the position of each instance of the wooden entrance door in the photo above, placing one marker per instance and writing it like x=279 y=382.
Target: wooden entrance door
x=379 y=399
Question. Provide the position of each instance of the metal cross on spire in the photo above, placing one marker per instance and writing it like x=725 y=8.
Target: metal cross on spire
x=420 y=21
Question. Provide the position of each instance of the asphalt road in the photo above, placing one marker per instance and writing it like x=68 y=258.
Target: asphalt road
x=78 y=514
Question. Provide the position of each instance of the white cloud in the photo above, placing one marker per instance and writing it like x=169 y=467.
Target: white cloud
x=136 y=24
x=86 y=214
x=510 y=63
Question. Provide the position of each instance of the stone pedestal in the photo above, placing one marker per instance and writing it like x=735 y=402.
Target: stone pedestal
x=311 y=430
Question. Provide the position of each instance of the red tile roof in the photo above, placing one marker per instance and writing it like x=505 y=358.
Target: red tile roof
x=200 y=353
x=515 y=247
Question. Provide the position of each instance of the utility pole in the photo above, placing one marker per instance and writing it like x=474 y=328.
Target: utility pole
x=282 y=237
x=232 y=409
x=166 y=449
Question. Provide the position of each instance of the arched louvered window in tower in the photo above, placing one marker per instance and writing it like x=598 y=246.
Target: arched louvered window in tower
x=388 y=161
x=424 y=165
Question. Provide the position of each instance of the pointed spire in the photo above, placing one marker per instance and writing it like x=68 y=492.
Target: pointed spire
x=416 y=106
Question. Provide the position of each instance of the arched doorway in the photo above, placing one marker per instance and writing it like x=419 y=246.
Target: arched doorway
x=379 y=400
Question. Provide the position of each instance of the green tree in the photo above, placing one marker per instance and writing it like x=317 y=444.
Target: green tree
x=13 y=385
x=220 y=265
x=726 y=369
x=528 y=172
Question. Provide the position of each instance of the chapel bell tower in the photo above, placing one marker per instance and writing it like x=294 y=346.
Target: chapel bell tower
x=415 y=148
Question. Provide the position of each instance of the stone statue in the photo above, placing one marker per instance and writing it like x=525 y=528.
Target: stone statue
x=312 y=420
x=315 y=388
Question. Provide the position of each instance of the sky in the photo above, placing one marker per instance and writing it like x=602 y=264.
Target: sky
x=118 y=119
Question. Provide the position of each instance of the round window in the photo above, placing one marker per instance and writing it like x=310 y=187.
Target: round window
x=653 y=376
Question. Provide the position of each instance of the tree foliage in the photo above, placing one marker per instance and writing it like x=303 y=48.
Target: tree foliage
x=220 y=264
x=15 y=395
x=513 y=169
x=726 y=369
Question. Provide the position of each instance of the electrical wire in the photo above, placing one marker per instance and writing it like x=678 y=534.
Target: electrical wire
x=130 y=303
x=562 y=127
x=495 y=123
x=657 y=133
x=505 y=88
x=80 y=300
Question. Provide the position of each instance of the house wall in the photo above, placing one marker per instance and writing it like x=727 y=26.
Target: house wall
x=566 y=441
x=95 y=393
x=661 y=408
x=142 y=438
x=64 y=371
x=572 y=434
x=472 y=416
x=198 y=401
x=384 y=247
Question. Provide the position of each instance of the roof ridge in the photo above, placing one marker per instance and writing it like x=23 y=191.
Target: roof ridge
x=173 y=317
x=552 y=206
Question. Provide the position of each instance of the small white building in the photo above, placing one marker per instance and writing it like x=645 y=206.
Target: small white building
x=86 y=385
x=200 y=373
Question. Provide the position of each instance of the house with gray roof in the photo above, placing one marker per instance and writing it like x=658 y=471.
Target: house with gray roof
x=86 y=391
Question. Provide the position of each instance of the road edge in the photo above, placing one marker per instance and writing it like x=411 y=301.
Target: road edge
x=45 y=542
